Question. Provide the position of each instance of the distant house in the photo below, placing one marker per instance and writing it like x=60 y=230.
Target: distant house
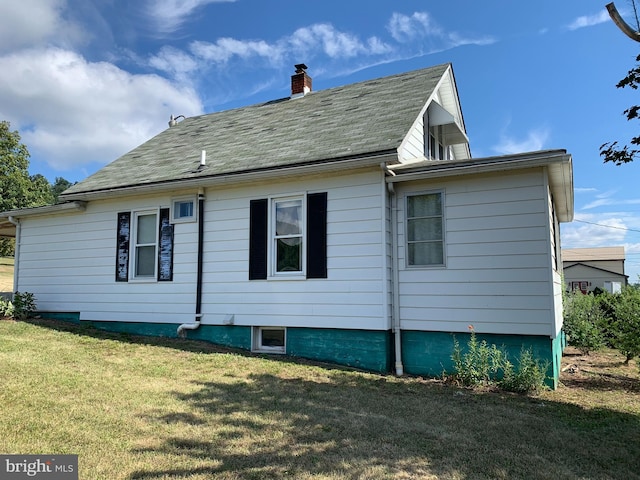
x=348 y=225
x=586 y=269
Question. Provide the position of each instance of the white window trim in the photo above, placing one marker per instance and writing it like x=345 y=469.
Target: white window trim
x=271 y=248
x=185 y=198
x=256 y=340
x=406 y=230
x=134 y=247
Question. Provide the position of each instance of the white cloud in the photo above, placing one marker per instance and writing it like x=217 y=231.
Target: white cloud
x=175 y=62
x=32 y=22
x=74 y=112
x=170 y=15
x=589 y=20
x=224 y=49
x=534 y=140
x=420 y=25
x=332 y=42
x=404 y=28
x=596 y=231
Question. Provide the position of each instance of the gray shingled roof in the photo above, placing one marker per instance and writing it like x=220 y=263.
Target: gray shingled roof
x=338 y=123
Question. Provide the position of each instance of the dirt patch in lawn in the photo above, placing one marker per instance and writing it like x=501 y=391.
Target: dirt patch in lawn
x=600 y=379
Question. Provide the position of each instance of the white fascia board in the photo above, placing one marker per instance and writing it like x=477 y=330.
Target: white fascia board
x=44 y=210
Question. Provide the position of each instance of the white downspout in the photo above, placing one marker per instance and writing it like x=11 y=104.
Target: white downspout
x=16 y=253
x=395 y=281
x=395 y=311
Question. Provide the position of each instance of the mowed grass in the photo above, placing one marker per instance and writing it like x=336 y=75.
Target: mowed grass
x=6 y=273
x=145 y=408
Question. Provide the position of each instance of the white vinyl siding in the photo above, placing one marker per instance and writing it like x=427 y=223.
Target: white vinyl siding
x=68 y=262
x=497 y=249
x=352 y=295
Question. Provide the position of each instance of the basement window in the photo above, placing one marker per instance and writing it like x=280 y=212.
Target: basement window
x=269 y=339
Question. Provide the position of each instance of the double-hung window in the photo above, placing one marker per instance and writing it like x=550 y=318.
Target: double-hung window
x=425 y=229
x=144 y=249
x=288 y=237
x=145 y=241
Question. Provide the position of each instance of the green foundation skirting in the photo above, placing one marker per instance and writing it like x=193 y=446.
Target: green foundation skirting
x=429 y=353
x=366 y=349
x=71 y=317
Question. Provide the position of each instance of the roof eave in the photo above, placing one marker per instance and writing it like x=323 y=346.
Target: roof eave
x=323 y=166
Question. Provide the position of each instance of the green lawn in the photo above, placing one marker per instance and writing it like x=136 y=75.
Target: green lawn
x=136 y=408
x=6 y=273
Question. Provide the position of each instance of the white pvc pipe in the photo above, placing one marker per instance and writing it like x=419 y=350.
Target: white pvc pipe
x=189 y=326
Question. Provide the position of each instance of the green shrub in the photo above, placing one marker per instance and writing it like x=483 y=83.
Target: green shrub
x=24 y=305
x=584 y=322
x=6 y=307
x=479 y=364
x=529 y=376
x=625 y=326
x=484 y=364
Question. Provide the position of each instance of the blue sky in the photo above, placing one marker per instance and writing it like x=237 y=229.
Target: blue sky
x=84 y=81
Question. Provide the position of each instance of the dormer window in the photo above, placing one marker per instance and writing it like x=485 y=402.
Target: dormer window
x=437 y=149
x=441 y=133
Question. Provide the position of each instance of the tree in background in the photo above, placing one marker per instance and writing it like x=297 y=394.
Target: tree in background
x=59 y=186
x=17 y=188
x=625 y=327
x=611 y=151
x=584 y=322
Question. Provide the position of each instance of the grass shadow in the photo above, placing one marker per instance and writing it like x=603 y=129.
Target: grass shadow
x=175 y=343
x=270 y=427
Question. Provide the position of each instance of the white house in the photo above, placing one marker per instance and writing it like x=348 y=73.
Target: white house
x=348 y=225
x=587 y=269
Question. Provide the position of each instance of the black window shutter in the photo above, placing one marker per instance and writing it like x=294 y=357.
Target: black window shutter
x=165 y=252
x=317 y=235
x=258 y=214
x=122 y=246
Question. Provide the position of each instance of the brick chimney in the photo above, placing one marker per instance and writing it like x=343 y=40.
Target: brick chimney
x=300 y=81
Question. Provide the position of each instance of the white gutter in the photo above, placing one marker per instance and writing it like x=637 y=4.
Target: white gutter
x=16 y=253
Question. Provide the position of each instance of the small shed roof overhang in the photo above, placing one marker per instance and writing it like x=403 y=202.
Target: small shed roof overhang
x=452 y=133
x=558 y=163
